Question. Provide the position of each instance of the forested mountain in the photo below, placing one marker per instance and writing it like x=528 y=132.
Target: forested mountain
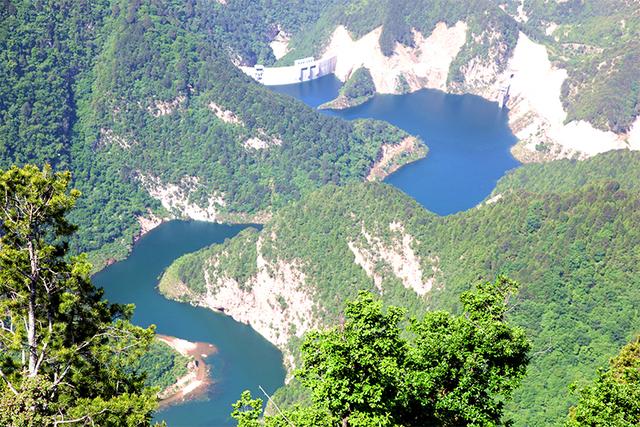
x=142 y=102
x=595 y=41
x=574 y=253
x=569 y=68
x=132 y=96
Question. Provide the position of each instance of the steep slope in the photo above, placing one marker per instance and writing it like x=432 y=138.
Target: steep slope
x=598 y=44
x=574 y=254
x=283 y=289
x=142 y=102
x=570 y=68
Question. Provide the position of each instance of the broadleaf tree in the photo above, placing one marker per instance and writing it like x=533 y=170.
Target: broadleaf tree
x=613 y=399
x=381 y=369
x=64 y=350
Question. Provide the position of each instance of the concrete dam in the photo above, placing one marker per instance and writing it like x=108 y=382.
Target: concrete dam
x=302 y=70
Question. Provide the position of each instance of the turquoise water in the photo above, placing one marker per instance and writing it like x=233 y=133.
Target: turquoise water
x=468 y=139
x=244 y=359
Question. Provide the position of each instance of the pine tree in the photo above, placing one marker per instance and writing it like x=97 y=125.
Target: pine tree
x=64 y=350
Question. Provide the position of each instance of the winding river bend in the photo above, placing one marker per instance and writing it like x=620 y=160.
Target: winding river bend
x=469 y=143
x=244 y=359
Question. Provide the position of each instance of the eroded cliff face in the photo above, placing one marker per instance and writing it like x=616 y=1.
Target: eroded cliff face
x=480 y=74
x=177 y=198
x=393 y=156
x=279 y=297
x=276 y=301
x=380 y=259
x=425 y=65
x=159 y=108
x=536 y=113
x=280 y=43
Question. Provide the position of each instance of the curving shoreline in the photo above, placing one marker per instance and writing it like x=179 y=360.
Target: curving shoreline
x=197 y=381
x=394 y=156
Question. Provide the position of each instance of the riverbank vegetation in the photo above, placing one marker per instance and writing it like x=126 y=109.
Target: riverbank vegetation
x=357 y=90
x=161 y=365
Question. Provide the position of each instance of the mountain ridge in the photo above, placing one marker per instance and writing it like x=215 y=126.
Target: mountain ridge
x=569 y=250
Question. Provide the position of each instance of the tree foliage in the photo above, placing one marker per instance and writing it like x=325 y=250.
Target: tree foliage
x=378 y=370
x=161 y=365
x=613 y=399
x=359 y=85
x=64 y=350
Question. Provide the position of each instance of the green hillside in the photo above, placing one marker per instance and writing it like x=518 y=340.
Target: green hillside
x=574 y=254
x=144 y=97
x=125 y=93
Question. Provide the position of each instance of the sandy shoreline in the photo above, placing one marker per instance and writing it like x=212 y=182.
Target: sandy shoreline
x=196 y=382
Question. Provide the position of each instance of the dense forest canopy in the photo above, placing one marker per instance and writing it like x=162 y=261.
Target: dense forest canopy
x=359 y=86
x=379 y=368
x=614 y=396
x=124 y=94
x=574 y=250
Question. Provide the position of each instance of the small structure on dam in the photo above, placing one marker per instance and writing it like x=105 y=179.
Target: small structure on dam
x=503 y=96
x=503 y=91
x=302 y=70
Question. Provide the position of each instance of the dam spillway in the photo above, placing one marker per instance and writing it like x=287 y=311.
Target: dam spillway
x=301 y=71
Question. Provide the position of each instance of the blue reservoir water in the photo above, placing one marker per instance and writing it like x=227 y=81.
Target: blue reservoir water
x=244 y=359
x=468 y=139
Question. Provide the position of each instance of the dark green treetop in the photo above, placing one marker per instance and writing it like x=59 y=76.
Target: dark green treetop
x=377 y=369
x=614 y=397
